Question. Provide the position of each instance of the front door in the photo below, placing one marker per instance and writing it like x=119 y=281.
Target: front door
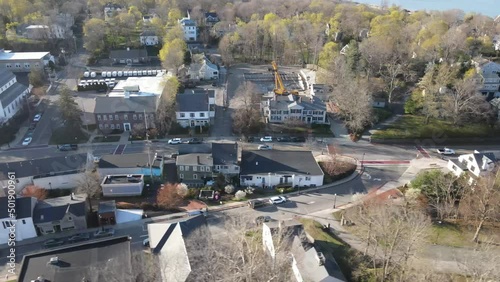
x=192 y=123
x=126 y=126
x=308 y=119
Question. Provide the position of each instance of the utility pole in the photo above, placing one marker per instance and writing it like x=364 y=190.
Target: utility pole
x=149 y=147
x=335 y=201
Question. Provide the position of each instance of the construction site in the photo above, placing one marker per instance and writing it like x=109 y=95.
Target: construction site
x=278 y=81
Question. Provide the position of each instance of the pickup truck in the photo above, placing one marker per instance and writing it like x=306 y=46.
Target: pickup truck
x=446 y=151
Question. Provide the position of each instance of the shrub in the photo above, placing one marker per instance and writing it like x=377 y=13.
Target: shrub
x=229 y=189
x=240 y=195
x=193 y=193
x=182 y=189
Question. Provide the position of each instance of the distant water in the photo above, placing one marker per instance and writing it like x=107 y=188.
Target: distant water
x=486 y=7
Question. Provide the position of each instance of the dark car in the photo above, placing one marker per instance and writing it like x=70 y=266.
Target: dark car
x=255 y=203
x=32 y=125
x=79 y=237
x=298 y=139
x=104 y=233
x=284 y=139
x=68 y=147
x=53 y=243
x=250 y=139
x=194 y=141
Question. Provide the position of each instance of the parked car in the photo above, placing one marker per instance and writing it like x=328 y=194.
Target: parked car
x=194 y=141
x=266 y=139
x=261 y=219
x=284 y=139
x=107 y=232
x=29 y=134
x=277 y=200
x=255 y=203
x=68 y=147
x=27 y=141
x=214 y=84
x=79 y=237
x=250 y=139
x=53 y=243
x=446 y=151
x=175 y=141
x=265 y=147
x=32 y=126
x=145 y=242
x=298 y=139
x=37 y=117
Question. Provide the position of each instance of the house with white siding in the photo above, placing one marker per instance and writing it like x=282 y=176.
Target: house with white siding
x=308 y=109
x=195 y=107
x=22 y=224
x=12 y=95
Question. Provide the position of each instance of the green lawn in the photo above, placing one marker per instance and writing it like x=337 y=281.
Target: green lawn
x=109 y=138
x=459 y=235
x=410 y=126
x=68 y=135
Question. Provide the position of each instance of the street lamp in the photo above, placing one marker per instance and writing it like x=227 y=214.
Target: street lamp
x=362 y=160
x=335 y=201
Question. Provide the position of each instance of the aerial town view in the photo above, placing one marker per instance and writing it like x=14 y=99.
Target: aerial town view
x=249 y=141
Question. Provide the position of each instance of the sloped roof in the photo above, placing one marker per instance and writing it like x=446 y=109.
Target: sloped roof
x=105 y=105
x=55 y=209
x=224 y=153
x=12 y=93
x=44 y=167
x=192 y=102
x=195 y=159
x=280 y=162
x=5 y=76
x=24 y=207
x=128 y=54
x=128 y=161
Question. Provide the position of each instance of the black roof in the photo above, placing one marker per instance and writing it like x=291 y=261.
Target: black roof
x=204 y=148
x=107 y=206
x=127 y=161
x=24 y=206
x=128 y=54
x=281 y=162
x=91 y=260
x=106 y=105
x=225 y=153
x=12 y=93
x=55 y=209
x=44 y=167
x=5 y=76
x=192 y=102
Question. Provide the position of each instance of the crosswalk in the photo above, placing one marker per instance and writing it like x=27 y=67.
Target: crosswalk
x=119 y=149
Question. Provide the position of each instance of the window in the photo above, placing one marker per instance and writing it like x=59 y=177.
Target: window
x=26 y=65
x=207 y=169
x=8 y=66
x=181 y=176
x=118 y=126
x=134 y=117
x=182 y=115
x=191 y=114
x=202 y=114
x=125 y=117
x=181 y=168
x=18 y=65
x=24 y=221
x=195 y=168
x=37 y=65
x=70 y=218
x=112 y=126
x=140 y=117
x=186 y=168
x=105 y=117
x=308 y=178
x=110 y=117
x=116 y=117
x=202 y=168
x=195 y=176
x=106 y=125
x=100 y=126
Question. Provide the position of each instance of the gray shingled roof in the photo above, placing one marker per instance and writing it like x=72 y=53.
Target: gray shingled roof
x=195 y=159
x=224 y=153
x=47 y=211
x=12 y=93
x=127 y=160
x=45 y=167
x=23 y=207
x=195 y=102
x=5 y=76
x=281 y=162
x=128 y=54
x=106 y=105
x=91 y=260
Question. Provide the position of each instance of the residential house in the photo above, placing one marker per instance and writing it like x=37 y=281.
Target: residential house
x=210 y=19
x=38 y=32
x=495 y=104
x=180 y=248
x=106 y=212
x=22 y=225
x=223 y=28
x=195 y=169
x=149 y=38
x=202 y=69
x=276 y=167
x=476 y=164
x=195 y=108
x=24 y=61
x=60 y=214
x=59 y=28
x=196 y=164
x=13 y=95
x=95 y=260
x=129 y=56
x=122 y=185
x=490 y=78
x=308 y=263
x=189 y=28
x=131 y=164
x=310 y=110
x=111 y=10
x=49 y=173
x=129 y=113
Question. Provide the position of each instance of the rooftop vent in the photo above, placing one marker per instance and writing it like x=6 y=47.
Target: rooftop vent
x=321 y=258
x=54 y=260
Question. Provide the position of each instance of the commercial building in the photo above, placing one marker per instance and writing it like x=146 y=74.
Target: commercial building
x=24 y=61
x=122 y=185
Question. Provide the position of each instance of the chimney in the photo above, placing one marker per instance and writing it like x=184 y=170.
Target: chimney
x=72 y=196
x=198 y=158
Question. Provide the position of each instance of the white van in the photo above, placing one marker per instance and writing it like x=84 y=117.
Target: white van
x=86 y=74
x=113 y=74
x=92 y=74
x=119 y=73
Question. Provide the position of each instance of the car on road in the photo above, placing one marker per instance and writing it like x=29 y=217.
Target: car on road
x=27 y=141
x=29 y=134
x=250 y=139
x=175 y=141
x=446 y=151
x=266 y=139
x=298 y=139
x=264 y=147
x=284 y=139
x=214 y=84
x=79 y=237
x=255 y=203
x=194 y=141
x=68 y=147
x=277 y=200
x=107 y=232
x=53 y=243
x=37 y=117
x=261 y=219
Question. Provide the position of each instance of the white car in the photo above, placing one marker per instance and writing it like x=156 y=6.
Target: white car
x=265 y=147
x=27 y=141
x=37 y=117
x=446 y=151
x=175 y=141
x=277 y=200
x=266 y=139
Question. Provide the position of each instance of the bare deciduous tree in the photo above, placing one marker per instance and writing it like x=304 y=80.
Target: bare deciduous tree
x=246 y=117
x=89 y=184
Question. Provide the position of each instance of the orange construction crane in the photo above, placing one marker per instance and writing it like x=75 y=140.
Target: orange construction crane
x=278 y=82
